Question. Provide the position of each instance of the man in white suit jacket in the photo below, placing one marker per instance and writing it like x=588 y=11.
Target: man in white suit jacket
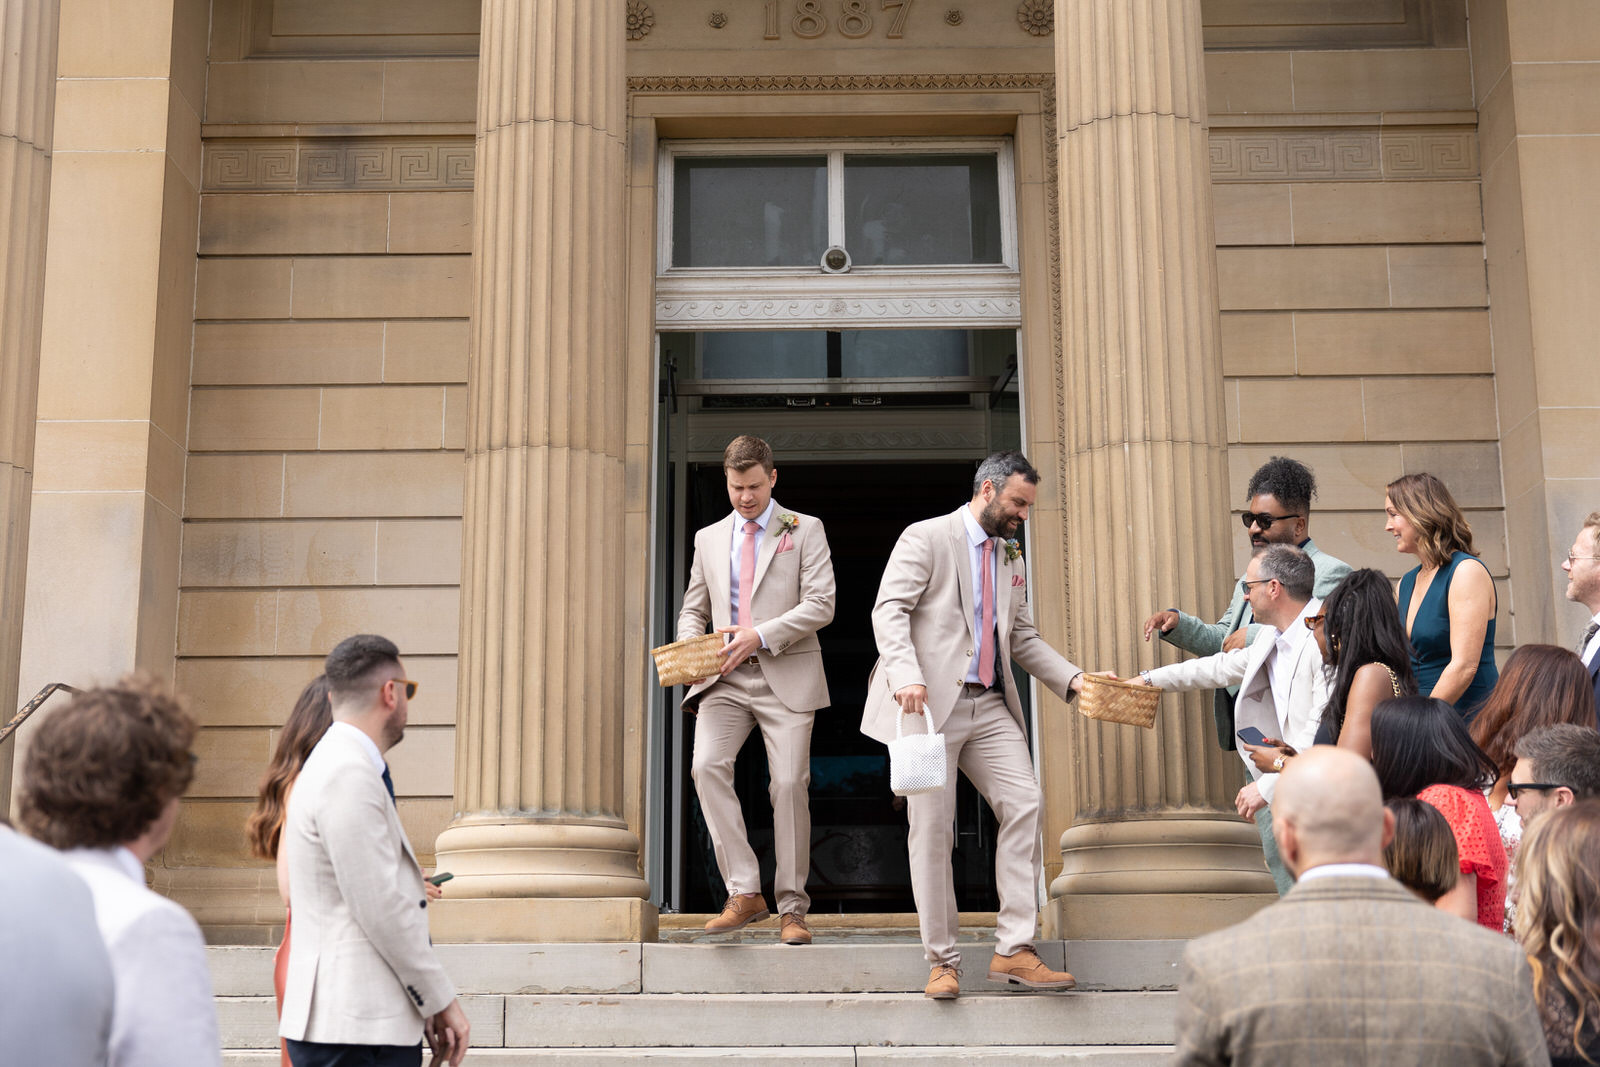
x=952 y=613
x=364 y=984
x=771 y=678
x=1282 y=685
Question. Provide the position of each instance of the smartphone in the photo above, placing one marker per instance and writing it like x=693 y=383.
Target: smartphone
x=441 y=878
x=1251 y=736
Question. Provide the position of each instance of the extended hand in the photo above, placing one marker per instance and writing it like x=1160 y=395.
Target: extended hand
x=742 y=644
x=1236 y=640
x=1161 y=620
x=913 y=699
x=1249 y=801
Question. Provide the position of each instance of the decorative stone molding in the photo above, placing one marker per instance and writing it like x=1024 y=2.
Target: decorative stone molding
x=832 y=83
x=306 y=164
x=791 y=442
x=1038 y=17
x=717 y=20
x=824 y=312
x=1342 y=155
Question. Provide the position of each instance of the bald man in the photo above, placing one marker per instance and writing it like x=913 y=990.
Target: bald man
x=1350 y=967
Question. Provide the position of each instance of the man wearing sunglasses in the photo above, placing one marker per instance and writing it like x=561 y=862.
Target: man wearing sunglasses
x=1556 y=766
x=1278 y=513
x=364 y=985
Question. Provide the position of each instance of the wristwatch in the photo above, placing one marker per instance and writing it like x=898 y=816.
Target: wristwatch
x=1278 y=763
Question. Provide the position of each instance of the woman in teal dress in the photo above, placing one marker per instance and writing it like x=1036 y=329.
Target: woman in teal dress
x=1448 y=602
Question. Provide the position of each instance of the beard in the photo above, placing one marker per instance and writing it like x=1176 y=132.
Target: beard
x=997 y=523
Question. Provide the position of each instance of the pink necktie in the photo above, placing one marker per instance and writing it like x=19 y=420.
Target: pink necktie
x=747 y=571
x=986 y=642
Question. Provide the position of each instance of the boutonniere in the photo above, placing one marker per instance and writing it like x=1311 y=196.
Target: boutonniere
x=1013 y=550
x=786 y=524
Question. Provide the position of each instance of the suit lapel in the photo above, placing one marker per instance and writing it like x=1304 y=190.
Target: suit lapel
x=963 y=556
x=1002 y=592
x=719 y=580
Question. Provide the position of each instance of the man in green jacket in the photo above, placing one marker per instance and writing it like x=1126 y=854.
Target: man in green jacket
x=1279 y=512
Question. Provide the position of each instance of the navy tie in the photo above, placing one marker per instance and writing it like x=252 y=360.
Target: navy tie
x=388 y=783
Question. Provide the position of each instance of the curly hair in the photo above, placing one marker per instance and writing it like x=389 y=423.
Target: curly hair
x=1287 y=479
x=99 y=771
x=1558 y=905
x=306 y=724
x=1441 y=527
x=1541 y=685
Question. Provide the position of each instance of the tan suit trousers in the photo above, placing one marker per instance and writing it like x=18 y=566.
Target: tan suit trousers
x=728 y=711
x=986 y=744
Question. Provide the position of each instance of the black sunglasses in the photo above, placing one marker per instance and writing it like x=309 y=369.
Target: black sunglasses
x=1517 y=788
x=1263 y=520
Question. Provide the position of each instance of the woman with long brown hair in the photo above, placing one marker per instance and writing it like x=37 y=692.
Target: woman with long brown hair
x=1542 y=685
x=1558 y=914
x=301 y=731
x=1447 y=602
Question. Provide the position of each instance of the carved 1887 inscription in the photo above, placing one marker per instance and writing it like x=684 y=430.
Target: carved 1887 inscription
x=851 y=18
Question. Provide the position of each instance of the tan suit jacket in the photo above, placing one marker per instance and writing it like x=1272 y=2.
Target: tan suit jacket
x=792 y=600
x=1358 y=971
x=923 y=625
x=361 y=968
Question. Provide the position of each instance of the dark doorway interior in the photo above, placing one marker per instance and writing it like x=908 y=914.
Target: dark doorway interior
x=858 y=852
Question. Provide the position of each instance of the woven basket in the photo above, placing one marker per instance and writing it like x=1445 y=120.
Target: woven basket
x=1109 y=700
x=684 y=661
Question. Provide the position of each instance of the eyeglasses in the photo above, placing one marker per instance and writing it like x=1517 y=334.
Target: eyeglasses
x=1245 y=584
x=1515 y=789
x=411 y=687
x=1264 y=520
x=1311 y=621
x=1572 y=560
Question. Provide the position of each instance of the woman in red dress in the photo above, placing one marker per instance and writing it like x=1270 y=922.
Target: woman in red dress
x=1421 y=748
x=304 y=728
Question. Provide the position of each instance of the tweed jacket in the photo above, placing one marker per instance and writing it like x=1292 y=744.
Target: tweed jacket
x=1205 y=638
x=361 y=968
x=1356 y=971
x=923 y=626
x=1247 y=669
x=792 y=600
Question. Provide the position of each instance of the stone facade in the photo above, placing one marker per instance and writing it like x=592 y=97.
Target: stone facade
x=222 y=493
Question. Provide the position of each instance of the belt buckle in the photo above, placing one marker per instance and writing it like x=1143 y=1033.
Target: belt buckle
x=752 y=661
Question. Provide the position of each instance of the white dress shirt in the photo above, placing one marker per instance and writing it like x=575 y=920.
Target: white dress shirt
x=736 y=556
x=1593 y=647
x=1342 y=870
x=975 y=539
x=164 y=1013
x=1285 y=649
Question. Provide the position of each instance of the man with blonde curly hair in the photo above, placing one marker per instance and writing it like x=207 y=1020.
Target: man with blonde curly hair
x=102 y=781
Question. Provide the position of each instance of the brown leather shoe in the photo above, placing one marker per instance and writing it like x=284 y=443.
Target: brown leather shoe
x=740 y=911
x=795 y=930
x=944 y=983
x=1024 y=967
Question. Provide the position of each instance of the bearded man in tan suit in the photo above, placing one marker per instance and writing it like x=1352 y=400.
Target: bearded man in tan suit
x=764 y=577
x=952 y=613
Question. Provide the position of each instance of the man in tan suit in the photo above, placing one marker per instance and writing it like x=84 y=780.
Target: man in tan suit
x=764 y=577
x=364 y=985
x=952 y=613
x=1351 y=967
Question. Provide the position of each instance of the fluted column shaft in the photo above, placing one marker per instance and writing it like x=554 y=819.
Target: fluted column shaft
x=539 y=787
x=27 y=111
x=1145 y=472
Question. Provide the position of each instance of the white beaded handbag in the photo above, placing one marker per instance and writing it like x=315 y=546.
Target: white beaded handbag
x=916 y=763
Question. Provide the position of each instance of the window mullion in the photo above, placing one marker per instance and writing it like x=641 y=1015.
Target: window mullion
x=836 y=199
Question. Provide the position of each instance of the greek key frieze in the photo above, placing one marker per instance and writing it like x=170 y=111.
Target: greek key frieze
x=319 y=164
x=1342 y=155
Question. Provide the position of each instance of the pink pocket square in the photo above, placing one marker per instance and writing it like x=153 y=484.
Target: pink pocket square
x=1017 y=579
x=784 y=544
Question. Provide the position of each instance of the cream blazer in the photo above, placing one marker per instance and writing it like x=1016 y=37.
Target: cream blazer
x=361 y=968
x=922 y=623
x=1247 y=668
x=792 y=600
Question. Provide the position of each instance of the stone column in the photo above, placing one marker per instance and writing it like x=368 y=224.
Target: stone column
x=1155 y=848
x=27 y=110
x=539 y=845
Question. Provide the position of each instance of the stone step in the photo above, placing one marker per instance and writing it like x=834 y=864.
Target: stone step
x=788 y=1020
x=823 y=1056
x=746 y=966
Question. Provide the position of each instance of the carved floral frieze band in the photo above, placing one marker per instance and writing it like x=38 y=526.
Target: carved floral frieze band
x=790 y=442
x=311 y=164
x=923 y=310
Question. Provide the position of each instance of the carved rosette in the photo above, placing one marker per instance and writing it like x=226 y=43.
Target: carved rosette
x=641 y=20
x=1038 y=17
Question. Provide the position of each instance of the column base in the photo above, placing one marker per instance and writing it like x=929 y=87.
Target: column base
x=542 y=919
x=498 y=858
x=1159 y=877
